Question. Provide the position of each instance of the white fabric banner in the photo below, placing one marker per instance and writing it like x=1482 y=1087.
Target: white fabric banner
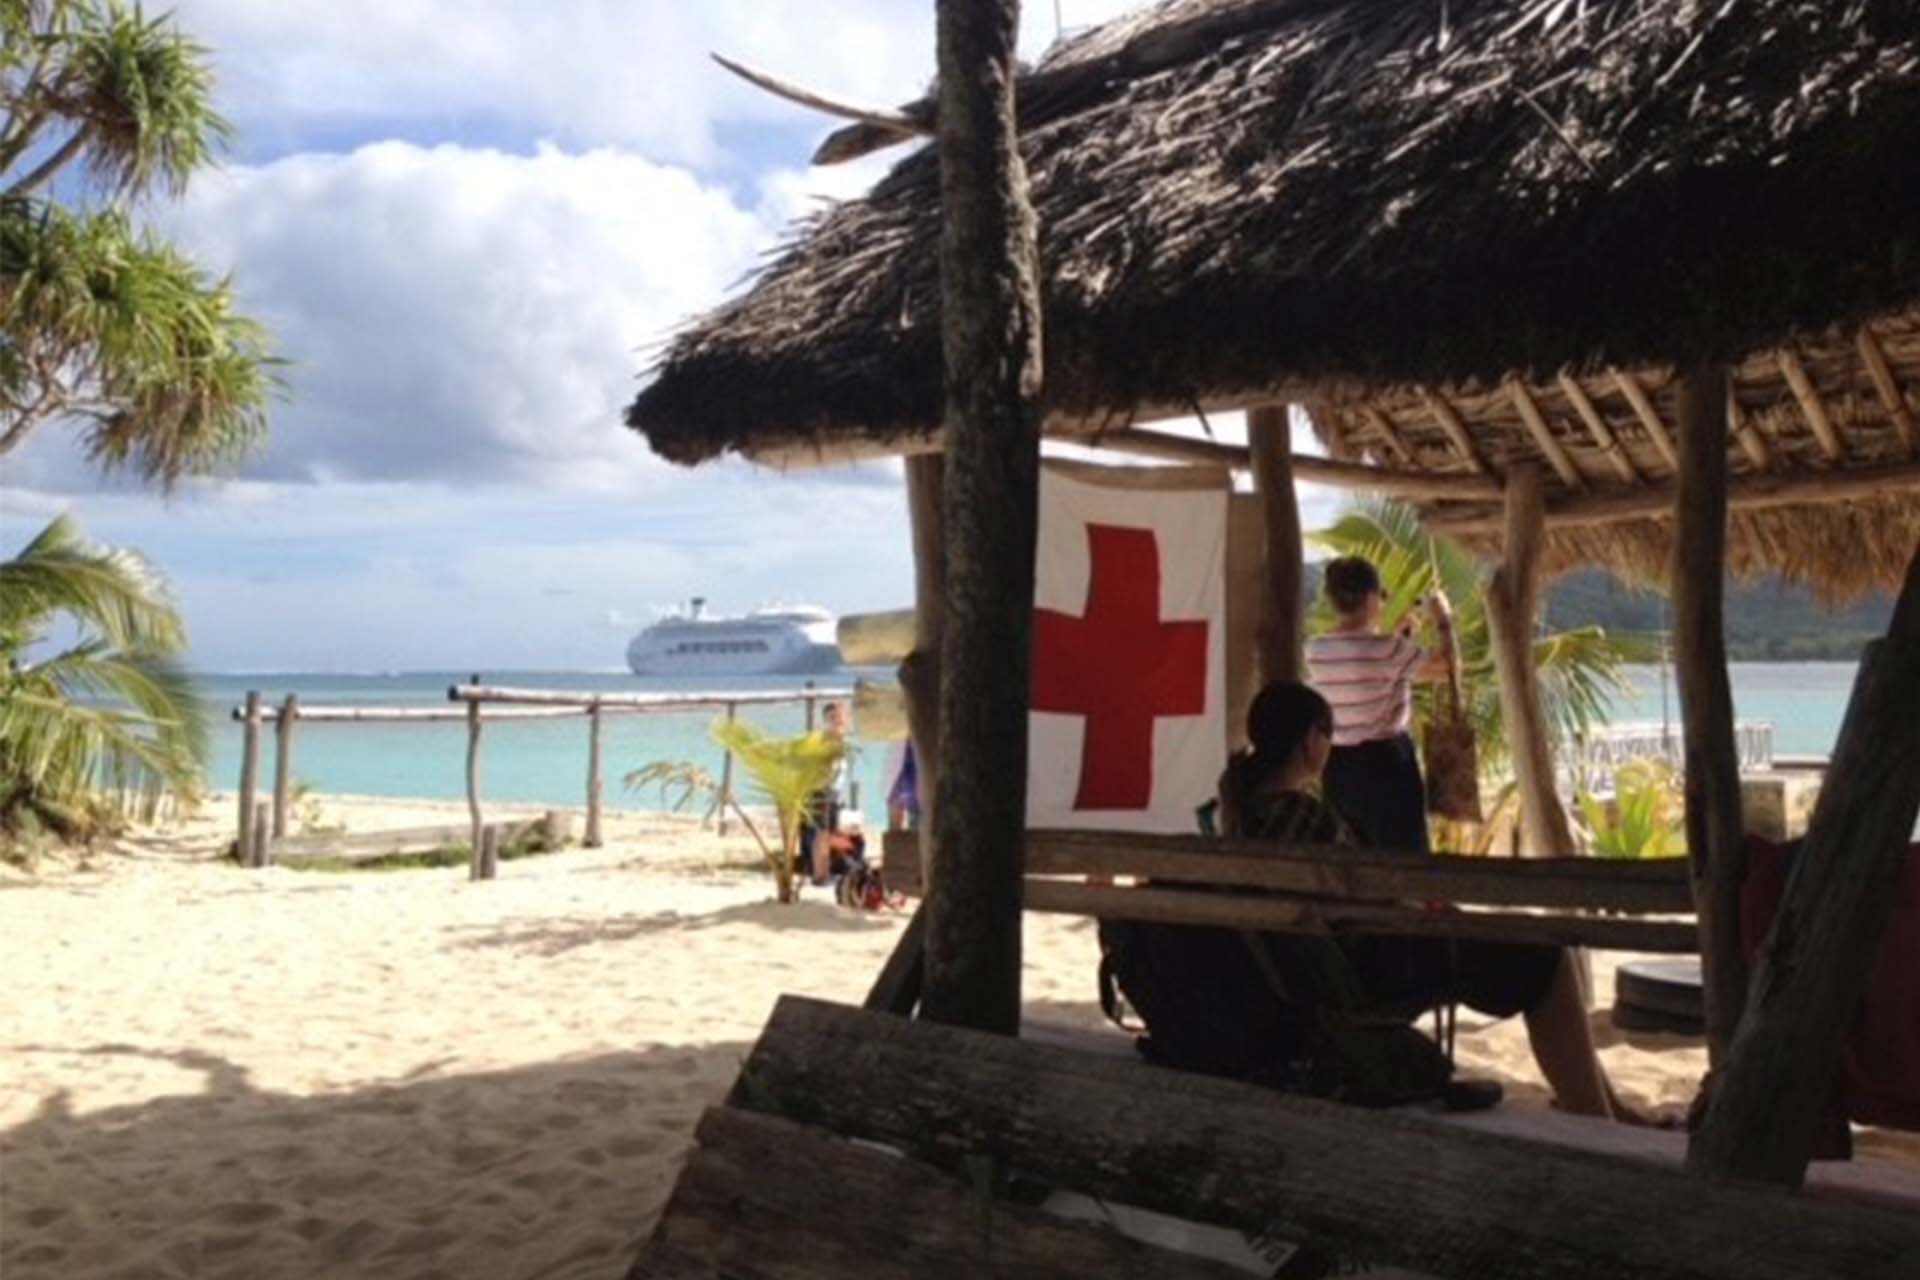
x=1129 y=651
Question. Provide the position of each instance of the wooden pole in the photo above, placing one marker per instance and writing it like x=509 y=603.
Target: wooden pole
x=812 y=706
x=726 y=776
x=486 y=855
x=990 y=335
x=1512 y=598
x=1270 y=440
x=592 y=838
x=1712 y=760
x=473 y=773
x=249 y=776
x=260 y=853
x=1773 y=1087
x=283 y=763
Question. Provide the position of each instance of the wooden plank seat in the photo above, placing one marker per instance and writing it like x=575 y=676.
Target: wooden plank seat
x=857 y=1143
x=1638 y=905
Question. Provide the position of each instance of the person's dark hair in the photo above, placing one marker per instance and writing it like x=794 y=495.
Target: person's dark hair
x=1349 y=581
x=1277 y=726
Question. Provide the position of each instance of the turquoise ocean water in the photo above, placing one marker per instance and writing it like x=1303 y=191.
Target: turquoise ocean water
x=533 y=761
x=544 y=761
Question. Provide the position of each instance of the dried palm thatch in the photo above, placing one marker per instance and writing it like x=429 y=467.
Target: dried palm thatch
x=1466 y=232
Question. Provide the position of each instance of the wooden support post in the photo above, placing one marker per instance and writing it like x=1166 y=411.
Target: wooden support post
x=1512 y=598
x=486 y=855
x=473 y=773
x=725 y=800
x=1706 y=696
x=260 y=848
x=1772 y=1089
x=592 y=838
x=249 y=777
x=283 y=763
x=812 y=708
x=990 y=334
x=1270 y=437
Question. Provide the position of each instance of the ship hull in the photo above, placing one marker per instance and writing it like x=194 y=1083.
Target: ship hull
x=812 y=659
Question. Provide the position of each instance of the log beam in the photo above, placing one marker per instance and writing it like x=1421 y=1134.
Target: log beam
x=1643 y=408
x=1512 y=600
x=1390 y=434
x=991 y=340
x=1449 y=422
x=249 y=777
x=1747 y=434
x=1412 y=484
x=1743 y=493
x=1269 y=437
x=1252 y=1159
x=1770 y=1093
x=1706 y=697
x=1888 y=387
x=1812 y=405
x=1542 y=433
x=1603 y=437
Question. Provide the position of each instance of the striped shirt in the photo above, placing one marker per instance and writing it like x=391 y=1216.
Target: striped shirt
x=1368 y=680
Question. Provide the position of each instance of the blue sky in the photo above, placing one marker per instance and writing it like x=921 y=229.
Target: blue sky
x=466 y=224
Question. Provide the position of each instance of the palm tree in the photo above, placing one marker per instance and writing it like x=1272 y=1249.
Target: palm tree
x=787 y=773
x=106 y=716
x=102 y=324
x=1581 y=670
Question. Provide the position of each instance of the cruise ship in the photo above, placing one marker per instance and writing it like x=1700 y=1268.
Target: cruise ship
x=775 y=641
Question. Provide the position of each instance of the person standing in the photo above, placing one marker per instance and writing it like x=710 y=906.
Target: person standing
x=1366 y=675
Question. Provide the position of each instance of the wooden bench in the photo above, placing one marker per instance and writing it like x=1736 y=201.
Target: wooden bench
x=861 y=1144
x=1621 y=905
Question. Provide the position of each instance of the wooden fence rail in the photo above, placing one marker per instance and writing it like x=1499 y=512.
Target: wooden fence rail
x=500 y=703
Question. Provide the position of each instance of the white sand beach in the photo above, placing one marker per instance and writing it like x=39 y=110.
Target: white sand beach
x=212 y=1072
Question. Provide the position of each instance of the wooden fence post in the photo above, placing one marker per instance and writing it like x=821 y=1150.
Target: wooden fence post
x=283 y=763
x=592 y=838
x=490 y=851
x=473 y=772
x=726 y=775
x=261 y=853
x=249 y=776
x=810 y=701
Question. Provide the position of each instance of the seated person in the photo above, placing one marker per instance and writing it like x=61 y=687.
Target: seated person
x=1264 y=795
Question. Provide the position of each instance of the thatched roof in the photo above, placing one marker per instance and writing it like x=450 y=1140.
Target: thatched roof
x=1415 y=216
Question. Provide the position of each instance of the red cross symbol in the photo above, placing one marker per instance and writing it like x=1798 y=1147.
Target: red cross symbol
x=1119 y=666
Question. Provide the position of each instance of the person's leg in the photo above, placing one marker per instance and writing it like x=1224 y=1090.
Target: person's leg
x=1562 y=1041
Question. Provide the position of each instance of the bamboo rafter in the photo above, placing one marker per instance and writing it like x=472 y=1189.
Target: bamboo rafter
x=1597 y=427
x=1810 y=404
x=1888 y=387
x=1542 y=434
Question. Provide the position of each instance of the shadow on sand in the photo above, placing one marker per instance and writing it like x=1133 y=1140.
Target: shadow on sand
x=552 y=1171
x=555 y=935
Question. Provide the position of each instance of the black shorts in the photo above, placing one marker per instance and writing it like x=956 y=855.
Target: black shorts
x=1498 y=979
x=1376 y=786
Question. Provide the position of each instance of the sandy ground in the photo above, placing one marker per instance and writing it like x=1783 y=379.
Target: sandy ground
x=216 y=1072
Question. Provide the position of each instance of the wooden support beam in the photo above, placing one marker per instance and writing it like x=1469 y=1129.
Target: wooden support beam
x=1269 y=436
x=1594 y=884
x=1774 y=1083
x=595 y=782
x=1542 y=433
x=1706 y=696
x=260 y=848
x=762 y=1196
x=1439 y=486
x=249 y=777
x=990 y=323
x=1463 y=1203
x=1747 y=434
x=1456 y=430
x=283 y=763
x=904 y=975
x=1743 y=493
x=1649 y=416
x=1811 y=405
x=1892 y=398
x=1603 y=437
x=1512 y=601
x=1383 y=426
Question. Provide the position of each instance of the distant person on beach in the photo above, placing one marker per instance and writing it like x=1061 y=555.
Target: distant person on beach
x=827 y=801
x=1373 y=775
x=1265 y=795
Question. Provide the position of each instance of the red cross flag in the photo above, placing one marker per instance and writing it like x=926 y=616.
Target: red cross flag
x=1128 y=727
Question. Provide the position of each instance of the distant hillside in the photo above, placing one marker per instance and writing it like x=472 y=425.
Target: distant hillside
x=1769 y=621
